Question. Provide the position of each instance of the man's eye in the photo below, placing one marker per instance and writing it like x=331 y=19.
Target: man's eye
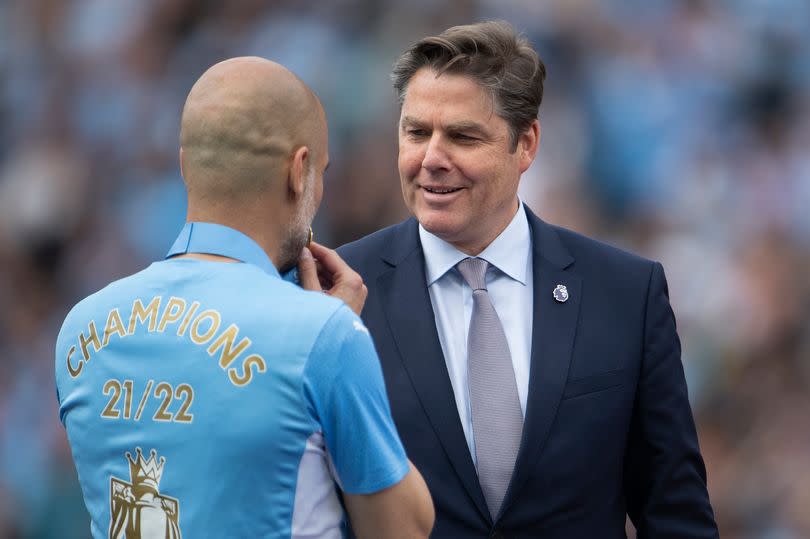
x=464 y=138
x=416 y=133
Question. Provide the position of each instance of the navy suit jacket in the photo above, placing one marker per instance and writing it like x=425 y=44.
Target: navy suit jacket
x=608 y=428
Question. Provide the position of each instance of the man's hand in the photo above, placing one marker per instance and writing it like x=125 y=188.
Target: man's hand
x=321 y=268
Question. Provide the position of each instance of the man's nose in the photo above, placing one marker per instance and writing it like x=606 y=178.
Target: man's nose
x=436 y=156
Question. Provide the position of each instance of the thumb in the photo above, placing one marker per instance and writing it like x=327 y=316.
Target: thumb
x=308 y=271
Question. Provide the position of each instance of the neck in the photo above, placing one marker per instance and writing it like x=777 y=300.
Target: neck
x=261 y=228
x=477 y=245
x=210 y=258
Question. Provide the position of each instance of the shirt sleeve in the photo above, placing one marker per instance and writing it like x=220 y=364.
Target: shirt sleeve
x=344 y=386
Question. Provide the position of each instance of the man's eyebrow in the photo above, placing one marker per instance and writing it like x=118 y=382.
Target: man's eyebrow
x=410 y=120
x=474 y=127
x=466 y=126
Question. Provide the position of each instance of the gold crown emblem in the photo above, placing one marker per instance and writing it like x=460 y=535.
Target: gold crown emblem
x=145 y=473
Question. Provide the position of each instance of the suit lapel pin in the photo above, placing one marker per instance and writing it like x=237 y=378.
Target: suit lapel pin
x=561 y=293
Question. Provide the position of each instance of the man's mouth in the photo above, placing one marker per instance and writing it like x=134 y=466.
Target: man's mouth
x=441 y=190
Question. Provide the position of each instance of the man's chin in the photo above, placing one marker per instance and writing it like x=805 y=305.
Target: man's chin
x=439 y=225
x=290 y=253
x=454 y=233
x=287 y=266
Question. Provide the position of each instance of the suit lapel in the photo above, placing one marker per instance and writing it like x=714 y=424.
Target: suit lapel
x=554 y=328
x=406 y=302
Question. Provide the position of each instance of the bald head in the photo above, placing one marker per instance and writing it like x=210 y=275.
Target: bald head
x=242 y=121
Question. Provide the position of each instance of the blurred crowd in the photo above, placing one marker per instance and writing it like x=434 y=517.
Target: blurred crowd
x=679 y=129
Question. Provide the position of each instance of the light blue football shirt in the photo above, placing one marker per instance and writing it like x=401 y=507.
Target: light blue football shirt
x=214 y=399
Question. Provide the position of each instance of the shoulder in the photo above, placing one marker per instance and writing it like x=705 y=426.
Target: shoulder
x=273 y=307
x=591 y=249
x=85 y=324
x=342 y=325
x=342 y=351
x=589 y=257
x=103 y=299
x=388 y=243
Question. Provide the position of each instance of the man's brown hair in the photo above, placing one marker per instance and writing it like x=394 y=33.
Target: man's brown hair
x=494 y=56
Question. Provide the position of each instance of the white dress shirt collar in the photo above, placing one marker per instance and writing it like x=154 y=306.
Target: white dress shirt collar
x=509 y=252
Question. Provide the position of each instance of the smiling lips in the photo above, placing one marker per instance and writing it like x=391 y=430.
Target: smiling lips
x=441 y=190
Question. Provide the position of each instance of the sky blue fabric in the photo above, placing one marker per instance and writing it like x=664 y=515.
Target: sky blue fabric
x=225 y=371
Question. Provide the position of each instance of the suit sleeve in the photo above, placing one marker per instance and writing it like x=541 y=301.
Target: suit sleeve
x=665 y=478
x=344 y=385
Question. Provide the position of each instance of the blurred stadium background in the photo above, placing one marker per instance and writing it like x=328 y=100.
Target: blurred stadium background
x=679 y=129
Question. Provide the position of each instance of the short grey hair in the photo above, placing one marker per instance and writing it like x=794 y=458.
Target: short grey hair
x=491 y=53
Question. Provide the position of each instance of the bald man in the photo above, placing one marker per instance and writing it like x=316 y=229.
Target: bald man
x=205 y=396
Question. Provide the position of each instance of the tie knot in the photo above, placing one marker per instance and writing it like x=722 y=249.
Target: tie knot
x=474 y=271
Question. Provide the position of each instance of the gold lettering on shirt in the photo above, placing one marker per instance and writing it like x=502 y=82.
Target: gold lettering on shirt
x=182 y=329
x=202 y=338
x=114 y=325
x=247 y=374
x=172 y=313
x=225 y=341
x=78 y=370
x=141 y=314
x=93 y=338
x=202 y=329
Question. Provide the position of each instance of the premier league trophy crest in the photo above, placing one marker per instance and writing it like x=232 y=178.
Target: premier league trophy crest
x=137 y=509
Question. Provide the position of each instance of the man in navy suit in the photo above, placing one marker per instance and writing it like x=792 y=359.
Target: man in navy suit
x=580 y=415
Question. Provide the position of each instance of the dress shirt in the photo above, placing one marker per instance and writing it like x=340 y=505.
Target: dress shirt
x=510 y=286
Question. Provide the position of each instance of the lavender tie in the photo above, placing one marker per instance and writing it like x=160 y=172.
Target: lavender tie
x=496 y=416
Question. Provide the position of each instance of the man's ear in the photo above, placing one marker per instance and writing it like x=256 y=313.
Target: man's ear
x=182 y=174
x=528 y=143
x=298 y=169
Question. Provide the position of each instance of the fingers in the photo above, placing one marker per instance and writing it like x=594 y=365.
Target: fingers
x=338 y=279
x=308 y=271
x=329 y=259
x=354 y=297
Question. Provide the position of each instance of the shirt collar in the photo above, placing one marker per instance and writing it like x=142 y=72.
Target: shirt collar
x=509 y=252
x=214 y=239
